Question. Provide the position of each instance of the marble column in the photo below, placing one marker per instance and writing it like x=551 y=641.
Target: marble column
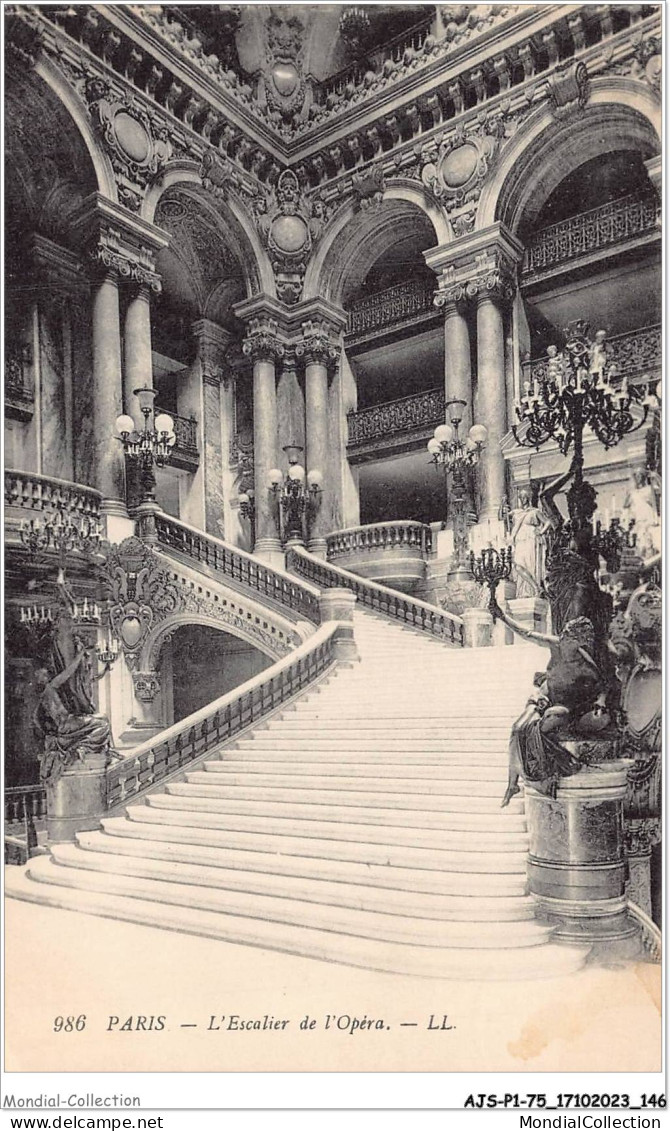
x=138 y=369
x=217 y=430
x=457 y=369
x=107 y=393
x=491 y=398
x=263 y=347
x=318 y=352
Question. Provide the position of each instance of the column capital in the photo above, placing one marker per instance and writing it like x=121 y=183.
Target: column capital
x=317 y=344
x=480 y=265
x=213 y=351
x=118 y=245
x=110 y=256
x=262 y=342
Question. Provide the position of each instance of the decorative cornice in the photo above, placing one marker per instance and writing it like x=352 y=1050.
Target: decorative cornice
x=480 y=265
x=110 y=256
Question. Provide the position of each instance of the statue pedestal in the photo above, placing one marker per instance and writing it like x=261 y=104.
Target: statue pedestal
x=576 y=866
x=76 y=800
x=531 y=612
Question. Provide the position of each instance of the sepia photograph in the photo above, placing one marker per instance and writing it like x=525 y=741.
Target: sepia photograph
x=332 y=541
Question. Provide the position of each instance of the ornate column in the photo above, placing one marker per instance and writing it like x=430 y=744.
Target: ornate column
x=137 y=368
x=217 y=419
x=107 y=399
x=457 y=369
x=319 y=353
x=491 y=397
x=263 y=347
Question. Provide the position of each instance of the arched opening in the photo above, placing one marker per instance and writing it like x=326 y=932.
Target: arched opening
x=394 y=358
x=49 y=173
x=206 y=269
x=199 y=663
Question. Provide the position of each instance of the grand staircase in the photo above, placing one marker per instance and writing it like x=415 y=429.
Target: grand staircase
x=362 y=825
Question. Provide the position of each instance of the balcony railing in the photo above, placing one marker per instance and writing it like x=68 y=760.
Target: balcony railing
x=404 y=303
x=636 y=353
x=25 y=491
x=591 y=231
x=393 y=49
x=237 y=566
x=19 y=388
x=25 y=813
x=392 y=553
x=418 y=411
x=185 y=452
x=380 y=536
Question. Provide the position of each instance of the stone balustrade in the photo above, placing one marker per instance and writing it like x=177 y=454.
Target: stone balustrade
x=185 y=452
x=393 y=553
x=589 y=232
x=28 y=494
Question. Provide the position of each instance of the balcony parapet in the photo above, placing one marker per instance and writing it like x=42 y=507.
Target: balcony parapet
x=392 y=553
x=19 y=387
x=404 y=304
x=395 y=425
x=27 y=493
x=185 y=452
x=610 y=225
x=637 y=354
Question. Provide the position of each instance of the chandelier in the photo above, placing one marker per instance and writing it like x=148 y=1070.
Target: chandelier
x=449 y=451
x=151 y=445
x=580 y=388
x=297 y=492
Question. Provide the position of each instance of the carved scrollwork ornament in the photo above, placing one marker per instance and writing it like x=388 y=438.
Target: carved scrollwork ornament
x=109 y=256
x=146 y=685
x=568 y=89
x=139 y=147
x=289 y=223
x=455 y=169
x=368 y=187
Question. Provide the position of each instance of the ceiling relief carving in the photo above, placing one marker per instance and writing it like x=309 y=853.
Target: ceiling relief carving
x=289 y=224
x=283 y=80
x=204 y=245
x=455 y=166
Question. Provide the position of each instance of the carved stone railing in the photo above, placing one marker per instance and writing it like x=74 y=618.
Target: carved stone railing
x=419 y=614
x=25 y=807
x=27 y=493
x=637 y=353
x=394 y=50
x=205 y=730
x=392 y=553
x=380 y=421
x=591 y=231
x=396 y=306
x=185 y=451
x=238 y=567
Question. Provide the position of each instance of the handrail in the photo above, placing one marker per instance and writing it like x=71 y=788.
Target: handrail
x=391 y=602
x=204 y=730
x=402 y=532
x=238 y=566
x=651 y=937
x=390 y=307
x=418 y=410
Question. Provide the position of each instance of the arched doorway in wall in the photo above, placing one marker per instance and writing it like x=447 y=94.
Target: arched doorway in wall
x=199 y=663
x=204 y=272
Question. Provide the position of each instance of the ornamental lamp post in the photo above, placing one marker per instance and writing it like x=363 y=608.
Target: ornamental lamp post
x=151 y=445
x=449 y=451
x=297 y=493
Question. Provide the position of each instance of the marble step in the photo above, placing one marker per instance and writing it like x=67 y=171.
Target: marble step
x=476 y=840
x=412 y=773
x=472 y=743
x=350 y=753
x=121 y=837
x=497 y=964
x=426 y=799
x=298 y=912
x=99 y=854
x=229 y=801
x=204 y=828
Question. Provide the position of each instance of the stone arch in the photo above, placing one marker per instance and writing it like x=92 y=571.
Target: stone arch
x=151 y=647
x=354 y=238
x=104 y=172
x=258 y=275
x=621 y=113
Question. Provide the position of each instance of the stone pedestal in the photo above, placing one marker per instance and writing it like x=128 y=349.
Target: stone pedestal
x=338 y=605
x=576 y=864
x=76 y=801
x=477 y=628
x=530 y=612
